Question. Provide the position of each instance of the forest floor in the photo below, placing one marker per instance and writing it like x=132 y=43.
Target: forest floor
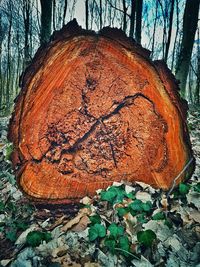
x=126 y=225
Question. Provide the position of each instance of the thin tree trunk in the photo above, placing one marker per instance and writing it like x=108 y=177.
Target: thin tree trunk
x=124 y=15
x=190 y=20
x=26 y=14
x=175 y=41
x=169 y=31
x=86 y=14
x=8 y=76
x=154 y=30
x=132 y=19
x=197 y=89
x=54 y=15
x=92 y=14
x=46 y=19
x=100 y=14
x=138 y=27
x=64 y=12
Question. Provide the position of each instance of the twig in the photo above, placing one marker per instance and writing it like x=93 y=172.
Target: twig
x=129 y=253
x=176 y=178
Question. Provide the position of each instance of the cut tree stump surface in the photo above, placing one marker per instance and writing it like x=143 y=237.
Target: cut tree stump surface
x=95 y=109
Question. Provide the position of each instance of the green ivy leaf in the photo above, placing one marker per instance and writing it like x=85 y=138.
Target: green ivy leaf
x=108 y=196
x=183 y=188
x=122 y=211
x=141 y=218
x=124 y=243
x=130 y=195
x=158 y=216
x=110 y=243
x=115 y=231
x=47 y=237
x=147 y=206
x=35 y=238
x=146 y=237
x=95 y=219
x=93 y=234
x=136 y=205
x=96 y=230
x=115 y=194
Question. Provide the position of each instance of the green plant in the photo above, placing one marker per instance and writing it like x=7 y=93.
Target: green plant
x=117 y=240
x=183 y=188
x=115 y=230
x=97 y=230
x=115 y=194
x=158 y=216
x=146 y=237
x=35 y=238
x=8 y=151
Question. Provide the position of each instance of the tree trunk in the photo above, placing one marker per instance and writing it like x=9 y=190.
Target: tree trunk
x=197 y=88
x=94 y=109
x=86 y=14
x=100 y=15
x=132 y=18
x=190 y=20
x=46 y=19
x=26 y=16
x=170 y=30
x=64 y=12
x=124 y=15
x=138 y=26
x=154 y=30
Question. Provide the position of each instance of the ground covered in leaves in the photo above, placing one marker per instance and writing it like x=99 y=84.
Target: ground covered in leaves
x=125 y=225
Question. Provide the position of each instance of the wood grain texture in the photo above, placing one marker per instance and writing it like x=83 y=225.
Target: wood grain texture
x=95 y=109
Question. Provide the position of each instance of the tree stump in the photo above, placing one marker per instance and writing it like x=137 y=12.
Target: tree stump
x=94 y=109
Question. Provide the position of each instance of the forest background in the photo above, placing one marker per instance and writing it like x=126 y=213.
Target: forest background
x=168 y=28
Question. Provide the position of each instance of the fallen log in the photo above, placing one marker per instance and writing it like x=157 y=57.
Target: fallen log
x=94 y=109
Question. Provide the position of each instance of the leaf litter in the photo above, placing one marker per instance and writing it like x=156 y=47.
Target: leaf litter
x=125 y=225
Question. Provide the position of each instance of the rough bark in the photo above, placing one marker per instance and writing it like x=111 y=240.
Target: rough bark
x=190 y=21
x=95 y=109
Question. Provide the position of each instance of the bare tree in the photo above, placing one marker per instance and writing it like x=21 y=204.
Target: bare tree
x=46 y=20
x=169 y=30
x=124 y=15
x=139 y=4
x=86 y=14
x=64 y=12
x=132 y=18
x=190 y=20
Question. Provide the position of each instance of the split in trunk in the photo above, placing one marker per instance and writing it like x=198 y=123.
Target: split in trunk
x=95 y=109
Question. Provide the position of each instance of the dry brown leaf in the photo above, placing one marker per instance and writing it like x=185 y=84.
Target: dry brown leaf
x=195 y=215
x=60 y=251
x=82 y=212
x=82 y=225
x=86 y=200
x=164 y=202
x=61 y=220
